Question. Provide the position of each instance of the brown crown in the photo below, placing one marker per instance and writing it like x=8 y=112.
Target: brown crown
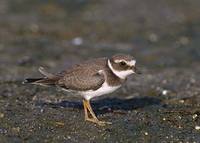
x=122 y=57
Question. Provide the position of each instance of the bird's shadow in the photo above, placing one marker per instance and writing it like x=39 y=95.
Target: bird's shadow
x=105 y=105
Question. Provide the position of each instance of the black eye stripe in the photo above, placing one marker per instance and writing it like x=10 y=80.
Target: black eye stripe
x=122 y=63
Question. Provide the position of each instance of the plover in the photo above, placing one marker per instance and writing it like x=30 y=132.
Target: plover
x=91 y=79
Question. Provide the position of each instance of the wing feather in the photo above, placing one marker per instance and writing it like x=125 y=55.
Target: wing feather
x=82 y=82
x=84 y=76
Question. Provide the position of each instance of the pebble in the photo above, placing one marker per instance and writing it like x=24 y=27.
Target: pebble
x=180 y=127
x=3 y=131
x=197 y=127
x=1 y=115
x=192 y=80
x=184 y=40
x=153 y=37
x=77 y=41
x=16 y=129
x=194 y=116
x=60 y=123
x=181 y=101
x=34 y=27
x=41 y=110
x=165 y=92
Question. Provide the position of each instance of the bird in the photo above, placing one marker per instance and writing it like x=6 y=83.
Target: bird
x=90 y=79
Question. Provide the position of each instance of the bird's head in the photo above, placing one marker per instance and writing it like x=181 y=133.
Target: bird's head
x=123 y=65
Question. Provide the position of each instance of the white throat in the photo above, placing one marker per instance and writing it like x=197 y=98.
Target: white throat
x=120 y=74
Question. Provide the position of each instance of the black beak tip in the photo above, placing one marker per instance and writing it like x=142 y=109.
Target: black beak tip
x=137 y=71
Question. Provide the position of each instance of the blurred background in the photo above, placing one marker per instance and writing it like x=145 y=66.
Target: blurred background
x=163 y=35
x=159 y=33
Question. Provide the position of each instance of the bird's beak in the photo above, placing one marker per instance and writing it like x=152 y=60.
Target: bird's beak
x=135 y=70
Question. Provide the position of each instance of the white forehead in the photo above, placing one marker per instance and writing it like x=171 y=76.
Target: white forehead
x=130 y=63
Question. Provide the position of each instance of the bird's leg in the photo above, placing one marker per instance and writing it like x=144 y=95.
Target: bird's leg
x=85 y=110
x=90 y=110
x=87 y=107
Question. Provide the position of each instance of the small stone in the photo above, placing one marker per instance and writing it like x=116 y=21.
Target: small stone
x=1 y=115
x=146 y=133
x=164 y=81
x=16 y=129
x=60 y=124
x=41 y=110
x=34 y=98
x=165 y=92
x=184 y=40
x=181 y=101
x=192 y=80
x=34 y=27
x=3 y=131
x=197 y=127
x=153 y=37
x=194 y=116
x=77 y=41
x=164 y=119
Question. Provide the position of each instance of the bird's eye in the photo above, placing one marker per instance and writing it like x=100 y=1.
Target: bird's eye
x=122 y=63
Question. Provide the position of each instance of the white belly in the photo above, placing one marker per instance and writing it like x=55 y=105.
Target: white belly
x=105 y=89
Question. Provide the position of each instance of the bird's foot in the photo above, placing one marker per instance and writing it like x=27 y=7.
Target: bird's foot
x=100 y=123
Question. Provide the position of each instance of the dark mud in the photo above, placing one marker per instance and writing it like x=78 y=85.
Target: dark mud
x=161 y=105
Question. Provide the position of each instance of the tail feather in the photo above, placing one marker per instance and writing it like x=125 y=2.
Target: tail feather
x=31 y=80
x=49 y=78
x=46 y=74
x=40 y=81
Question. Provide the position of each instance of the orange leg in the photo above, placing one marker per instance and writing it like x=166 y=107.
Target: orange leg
x=87 y=107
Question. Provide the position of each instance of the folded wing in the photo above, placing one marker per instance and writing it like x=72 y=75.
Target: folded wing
x=81 y=81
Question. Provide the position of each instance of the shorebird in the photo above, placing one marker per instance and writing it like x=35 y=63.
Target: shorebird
x=91 y=79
